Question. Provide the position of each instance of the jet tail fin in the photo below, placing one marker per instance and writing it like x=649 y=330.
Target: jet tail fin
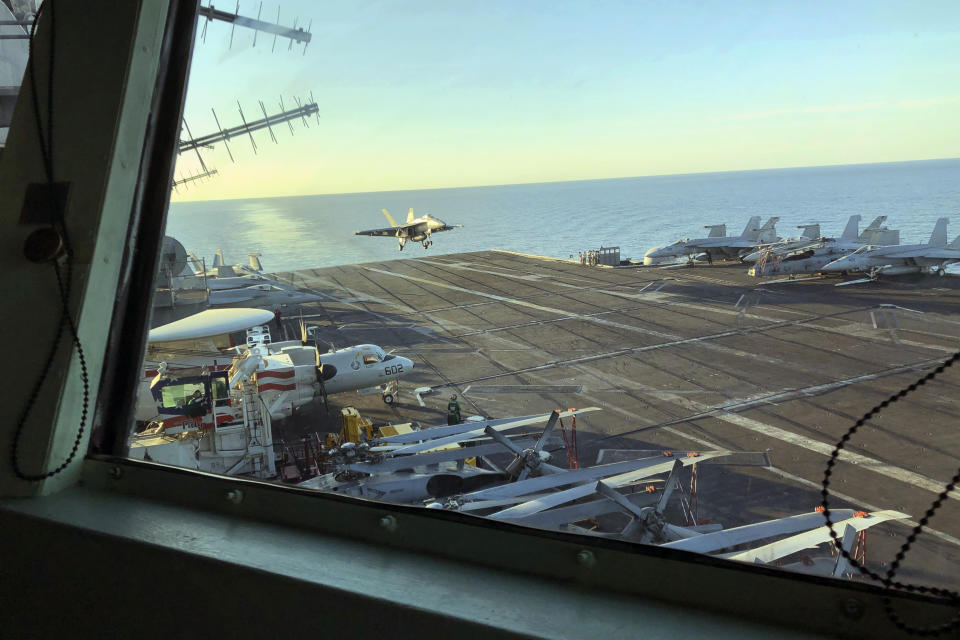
x=955 y=245
x=850 y=232
x=195 y=264
x=768 y=232
x=876 y=224
x=939 y=236
x=218 y=259
x=255 y=261
x=389 y=219
x=751 y=229
x=810 y=231
x=410 y=215
x=716 y=230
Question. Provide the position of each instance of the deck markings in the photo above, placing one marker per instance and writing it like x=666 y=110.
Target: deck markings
x=816 y=446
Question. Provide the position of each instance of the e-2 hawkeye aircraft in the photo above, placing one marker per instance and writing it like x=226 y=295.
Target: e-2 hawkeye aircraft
x=414 y=229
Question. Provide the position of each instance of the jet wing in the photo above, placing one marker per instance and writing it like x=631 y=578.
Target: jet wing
x=389 y=231
x=931 y=253
x=448 y=227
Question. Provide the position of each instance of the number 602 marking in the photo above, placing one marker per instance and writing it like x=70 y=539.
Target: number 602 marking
x=393 y=370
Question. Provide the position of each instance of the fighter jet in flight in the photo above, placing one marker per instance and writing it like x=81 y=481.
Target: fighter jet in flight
x=415 y=229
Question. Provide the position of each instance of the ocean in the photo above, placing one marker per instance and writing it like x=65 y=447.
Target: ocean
x=558 y=219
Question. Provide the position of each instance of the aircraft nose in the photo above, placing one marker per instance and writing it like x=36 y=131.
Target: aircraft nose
x=837 y=265
x=407 y=363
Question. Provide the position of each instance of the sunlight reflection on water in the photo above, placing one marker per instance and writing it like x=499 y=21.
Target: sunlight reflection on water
x=559 y=219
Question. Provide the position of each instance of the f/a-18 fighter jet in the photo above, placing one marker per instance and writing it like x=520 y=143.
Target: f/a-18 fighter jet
x=931 y=257
x=676 y=250
x=730 y=248
x=415 y=229
x=812 y=257
x=811 y=233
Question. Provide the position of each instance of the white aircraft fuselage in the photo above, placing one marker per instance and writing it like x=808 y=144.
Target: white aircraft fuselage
x=415 y=229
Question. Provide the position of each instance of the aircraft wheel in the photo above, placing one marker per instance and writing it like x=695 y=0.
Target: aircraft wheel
x=388 y=398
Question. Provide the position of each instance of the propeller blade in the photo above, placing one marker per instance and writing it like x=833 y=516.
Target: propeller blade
x=499 y=437
x=551 y=423
x=612 y=494
x=671 y=484
x=849 y=539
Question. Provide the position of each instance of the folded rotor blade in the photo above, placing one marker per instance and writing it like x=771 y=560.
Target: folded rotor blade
x=432 y=457
x=587 y=474
x=465 y=427
x=553 y=518
x=775 y=550
x=561 y=497
x=709 y=542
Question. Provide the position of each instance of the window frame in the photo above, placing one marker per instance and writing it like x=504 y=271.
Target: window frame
x=685 y=578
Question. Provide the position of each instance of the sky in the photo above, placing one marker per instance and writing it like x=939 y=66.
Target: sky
x=433 y=94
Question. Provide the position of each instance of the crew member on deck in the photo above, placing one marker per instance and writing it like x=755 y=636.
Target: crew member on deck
x=453 y=411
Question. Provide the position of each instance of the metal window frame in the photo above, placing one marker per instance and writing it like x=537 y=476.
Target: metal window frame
x=697 y=582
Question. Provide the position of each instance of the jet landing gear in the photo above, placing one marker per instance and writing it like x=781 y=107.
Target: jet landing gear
x=426 y=244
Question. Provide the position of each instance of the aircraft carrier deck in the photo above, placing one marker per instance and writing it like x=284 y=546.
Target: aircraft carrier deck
x=683 y=359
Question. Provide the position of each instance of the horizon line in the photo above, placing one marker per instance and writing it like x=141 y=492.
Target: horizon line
x=519 y=184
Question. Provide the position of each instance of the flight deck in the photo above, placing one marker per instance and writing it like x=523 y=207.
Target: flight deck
x=685 y=359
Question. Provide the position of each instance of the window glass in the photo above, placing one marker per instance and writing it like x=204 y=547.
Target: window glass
x=460 y=216
x=180 y=395
x=16 y=17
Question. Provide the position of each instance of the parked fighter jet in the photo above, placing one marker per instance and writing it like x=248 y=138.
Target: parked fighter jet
x=811 y=233
x=812 y=257
x=415 y=229
x=677 y=250
x=735 y=247
x=268 y=295
x=931 y=257
x=219 y=269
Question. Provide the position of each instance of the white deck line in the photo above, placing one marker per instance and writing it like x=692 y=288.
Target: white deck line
x=865 y=462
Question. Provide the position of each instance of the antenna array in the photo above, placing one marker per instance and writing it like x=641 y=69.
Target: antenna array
x=185 y=180
x=294 y=34
x=301 y=111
